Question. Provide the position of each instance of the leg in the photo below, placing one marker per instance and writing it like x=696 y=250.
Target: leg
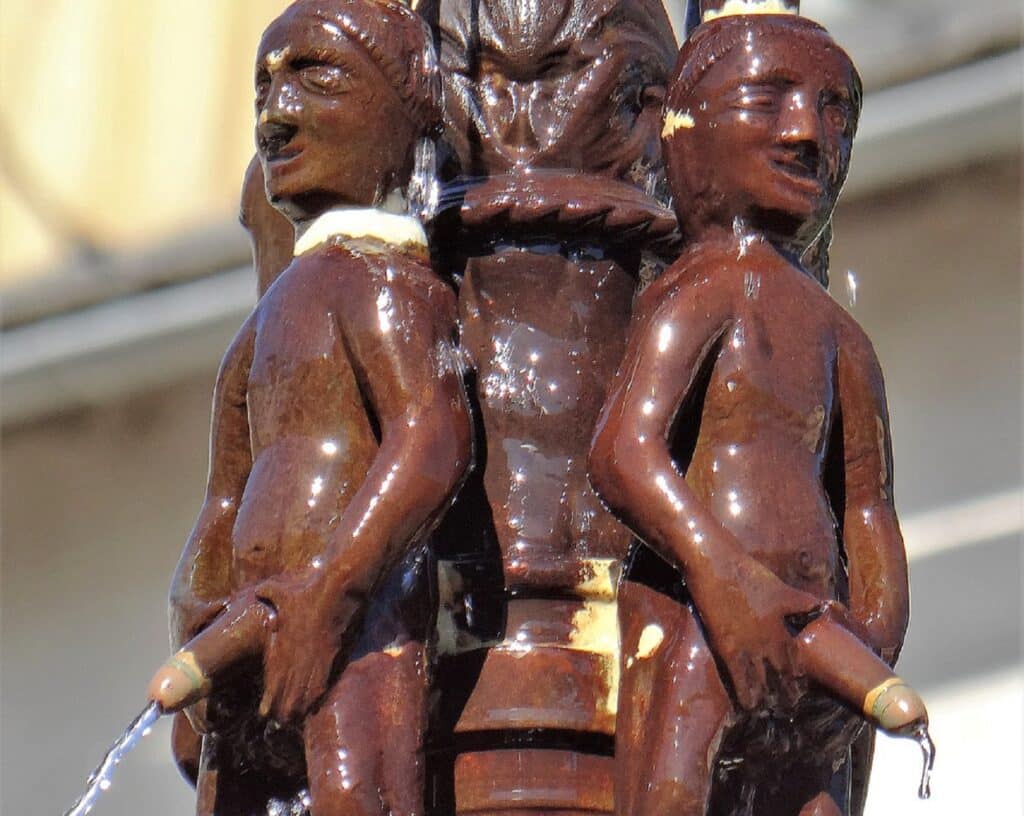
x=206 y=783
x=863 y=754
x=403 y=711
x=364 y=745
x=186 y=747
x=666 y=747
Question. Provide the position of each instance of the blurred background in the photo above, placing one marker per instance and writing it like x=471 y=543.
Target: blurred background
x=124 y=131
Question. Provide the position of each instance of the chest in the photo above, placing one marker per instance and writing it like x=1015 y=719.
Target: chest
x=781 y=356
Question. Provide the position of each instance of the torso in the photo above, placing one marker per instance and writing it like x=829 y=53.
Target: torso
x=759 y=460
x=312 y=438
x=545 y=334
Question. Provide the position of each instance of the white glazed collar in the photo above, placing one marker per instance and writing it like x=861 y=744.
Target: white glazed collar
x=736 y=8
x=361 y=222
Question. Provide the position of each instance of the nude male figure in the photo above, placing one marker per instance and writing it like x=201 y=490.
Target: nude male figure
x=746 y=440
x=340 y=433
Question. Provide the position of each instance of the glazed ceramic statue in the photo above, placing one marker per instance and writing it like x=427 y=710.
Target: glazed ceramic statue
x=303 y=601
x=746 y=441
x=553 y=112
x=337 y=654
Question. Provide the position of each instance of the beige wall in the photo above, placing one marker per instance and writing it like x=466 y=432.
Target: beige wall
x=142 y=107
x=96 y=506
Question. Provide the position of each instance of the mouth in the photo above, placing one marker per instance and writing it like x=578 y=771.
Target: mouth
x=278 y=145
x=801 y=166
x=798 y=177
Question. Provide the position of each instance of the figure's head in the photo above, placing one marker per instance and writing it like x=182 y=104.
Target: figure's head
x=759 y=124
x=563 y=84
x=344 y=90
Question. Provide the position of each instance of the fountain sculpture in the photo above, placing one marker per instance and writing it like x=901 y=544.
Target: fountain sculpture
x=403 y=594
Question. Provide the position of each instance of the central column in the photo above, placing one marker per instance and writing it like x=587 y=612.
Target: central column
x=553 y=116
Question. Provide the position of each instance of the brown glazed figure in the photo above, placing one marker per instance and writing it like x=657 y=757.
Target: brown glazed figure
x=271 y=234
x=553 y=111
x=746 y=441
x=273 y=242
x=303 y=601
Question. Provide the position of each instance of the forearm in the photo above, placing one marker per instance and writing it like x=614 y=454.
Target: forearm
x=415 y=474
x=640 y=483
x=879 y=587
x=202 y=577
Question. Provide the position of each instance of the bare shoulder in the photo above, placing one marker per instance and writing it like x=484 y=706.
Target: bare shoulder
x=853 y=341
x=239 y=353
x=703 y=281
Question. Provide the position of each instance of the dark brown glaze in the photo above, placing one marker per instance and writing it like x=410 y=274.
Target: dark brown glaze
x=566 y=86
x=746 y=440
x=553 y=111
x=340 y=434
x=271 y=234
x=273 y=241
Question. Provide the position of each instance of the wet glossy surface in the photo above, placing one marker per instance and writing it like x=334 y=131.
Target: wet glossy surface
x=746 y=441
x=340 y=434
x=556 y=109
x=744 y=437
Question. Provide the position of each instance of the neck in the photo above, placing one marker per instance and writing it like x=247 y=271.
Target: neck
x=344 y=223
x=742 y=237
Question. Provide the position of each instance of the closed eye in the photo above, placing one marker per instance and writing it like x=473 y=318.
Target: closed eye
x=323 y=77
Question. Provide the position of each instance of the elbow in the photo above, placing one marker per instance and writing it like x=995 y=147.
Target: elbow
x=612 y=466
x=438 y=444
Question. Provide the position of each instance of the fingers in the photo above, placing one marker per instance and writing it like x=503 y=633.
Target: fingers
x=801 y=603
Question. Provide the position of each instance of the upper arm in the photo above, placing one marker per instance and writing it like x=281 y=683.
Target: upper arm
x=230 y=447
x=867 y=446
x=402 y=345
x=671 y=335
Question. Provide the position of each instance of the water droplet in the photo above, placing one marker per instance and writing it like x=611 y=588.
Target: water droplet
x=924 y=739
x=851 y=287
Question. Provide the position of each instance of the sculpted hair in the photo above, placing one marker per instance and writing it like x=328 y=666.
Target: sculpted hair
x=399 y=43
x=712 y=40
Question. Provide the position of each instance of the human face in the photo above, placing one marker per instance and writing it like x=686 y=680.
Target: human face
x=768 y=134
x=331 y=131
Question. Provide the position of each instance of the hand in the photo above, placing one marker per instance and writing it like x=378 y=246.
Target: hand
x=307 y=633
x=745 y=612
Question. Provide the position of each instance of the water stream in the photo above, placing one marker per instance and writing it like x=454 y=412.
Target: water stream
x=100 y=780
x=924 y=739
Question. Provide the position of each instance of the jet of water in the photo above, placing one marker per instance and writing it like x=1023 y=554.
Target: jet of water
x=924 y=739
x=100 y=780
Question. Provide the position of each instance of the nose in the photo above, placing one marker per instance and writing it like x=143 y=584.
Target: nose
x=278 y=118
x=799 y=119
x=801 y=131
x=519 y=132
x=283 y=103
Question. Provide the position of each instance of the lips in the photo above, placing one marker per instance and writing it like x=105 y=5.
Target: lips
x=275 y=152
x=276 y=143
x=799 y=175
x=800 y=166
